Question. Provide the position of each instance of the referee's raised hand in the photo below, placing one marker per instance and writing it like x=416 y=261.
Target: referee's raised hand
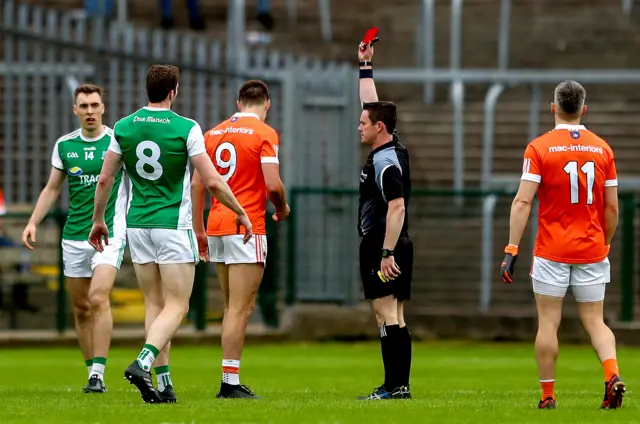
x=365 y=52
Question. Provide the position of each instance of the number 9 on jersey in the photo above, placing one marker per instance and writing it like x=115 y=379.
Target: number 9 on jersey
x=226 y=159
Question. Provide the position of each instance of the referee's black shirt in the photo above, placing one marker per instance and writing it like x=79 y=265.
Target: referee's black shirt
x=385 y=176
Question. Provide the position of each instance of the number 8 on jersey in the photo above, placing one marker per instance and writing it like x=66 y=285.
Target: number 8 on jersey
x=148 y=160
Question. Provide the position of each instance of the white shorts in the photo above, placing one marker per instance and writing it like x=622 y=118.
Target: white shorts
x=584 y=293
x=162 y=246
x=79 y=258
x=587 y=281
x=231 y=250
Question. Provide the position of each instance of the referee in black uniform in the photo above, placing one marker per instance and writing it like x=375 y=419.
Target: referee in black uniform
x=386 y=251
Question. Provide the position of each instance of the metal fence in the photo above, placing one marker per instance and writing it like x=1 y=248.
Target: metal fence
x=47 y=54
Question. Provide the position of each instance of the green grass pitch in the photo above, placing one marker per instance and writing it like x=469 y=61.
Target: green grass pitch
x=317 y=383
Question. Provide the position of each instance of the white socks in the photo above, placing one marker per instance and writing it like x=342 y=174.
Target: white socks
x=98 y=369
x=231 y=371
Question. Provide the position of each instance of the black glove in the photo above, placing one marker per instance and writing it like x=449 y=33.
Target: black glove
x=509 y=262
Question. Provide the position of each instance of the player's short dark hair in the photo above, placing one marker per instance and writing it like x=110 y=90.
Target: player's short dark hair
x=161 y=79
x=88 y=89
x=384 y=112
x=569 y=96
x=253 y=93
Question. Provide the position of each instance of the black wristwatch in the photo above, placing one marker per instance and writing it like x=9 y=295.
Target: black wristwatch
x=386 y=253
x=366 y=63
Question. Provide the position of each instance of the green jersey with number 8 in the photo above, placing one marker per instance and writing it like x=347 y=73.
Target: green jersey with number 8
x=156 y=145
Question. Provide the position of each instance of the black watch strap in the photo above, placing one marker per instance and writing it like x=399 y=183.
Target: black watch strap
x=365 y=63
x=386 y=253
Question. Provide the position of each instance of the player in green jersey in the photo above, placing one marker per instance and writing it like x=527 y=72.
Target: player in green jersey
x=156 y=145
x=90 y=274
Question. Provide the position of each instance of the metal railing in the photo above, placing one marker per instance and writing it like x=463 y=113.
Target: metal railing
x=425 y=39
x=500 y=79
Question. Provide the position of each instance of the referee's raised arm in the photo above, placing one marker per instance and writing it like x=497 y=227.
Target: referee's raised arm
x=367 y=86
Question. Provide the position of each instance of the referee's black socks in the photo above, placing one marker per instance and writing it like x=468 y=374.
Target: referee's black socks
x=391 y=342
x=405 y=360
x=396 y=355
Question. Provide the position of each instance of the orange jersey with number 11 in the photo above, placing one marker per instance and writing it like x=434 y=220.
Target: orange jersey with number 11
x=238 y=147
x=573 y=167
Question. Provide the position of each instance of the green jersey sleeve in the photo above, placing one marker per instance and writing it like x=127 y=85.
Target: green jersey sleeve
x=56 y=161
x=195 y=141
x=114 y=146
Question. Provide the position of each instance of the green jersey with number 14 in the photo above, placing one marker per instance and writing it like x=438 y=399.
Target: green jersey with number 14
x=81 y=159
x=156 y=145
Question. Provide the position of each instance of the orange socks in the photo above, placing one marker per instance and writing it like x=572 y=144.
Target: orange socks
x=547 y=387
x=610 y=368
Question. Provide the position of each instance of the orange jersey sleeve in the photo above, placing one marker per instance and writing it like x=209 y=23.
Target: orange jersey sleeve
x=611 y=173
x=531 y=165
x=572 y=166
x=269 y=147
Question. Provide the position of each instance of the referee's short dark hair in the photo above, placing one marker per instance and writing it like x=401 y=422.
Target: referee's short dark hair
x=384 y=112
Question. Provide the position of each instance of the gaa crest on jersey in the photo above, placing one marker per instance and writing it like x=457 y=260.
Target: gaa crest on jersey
x=104 y=154
x=575 y=134
x=75 y=171
x=233 y=119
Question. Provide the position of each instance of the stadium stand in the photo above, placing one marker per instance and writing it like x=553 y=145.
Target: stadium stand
x=544 y=35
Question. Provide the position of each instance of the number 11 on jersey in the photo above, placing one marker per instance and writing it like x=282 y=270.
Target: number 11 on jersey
x=589 y=169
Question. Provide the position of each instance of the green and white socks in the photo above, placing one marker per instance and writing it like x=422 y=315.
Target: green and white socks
x=96 y=366
x=147 y=355
x=163 y=377
x=99 y=364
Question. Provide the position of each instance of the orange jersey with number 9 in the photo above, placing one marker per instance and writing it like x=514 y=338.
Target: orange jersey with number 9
x=238 y=147
x=573 y=167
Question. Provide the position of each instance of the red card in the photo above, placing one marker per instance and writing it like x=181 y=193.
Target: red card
x=370 y=35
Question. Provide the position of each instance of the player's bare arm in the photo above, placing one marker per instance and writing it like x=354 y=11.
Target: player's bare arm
x=275 y=188
x=110 y=167
x=520 y=210
x=610 y=213
x=46 y=199
x=197 y=207
x=219 y=189
x=367 y=86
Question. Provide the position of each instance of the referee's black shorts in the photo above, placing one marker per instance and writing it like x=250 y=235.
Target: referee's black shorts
x=370 y=257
